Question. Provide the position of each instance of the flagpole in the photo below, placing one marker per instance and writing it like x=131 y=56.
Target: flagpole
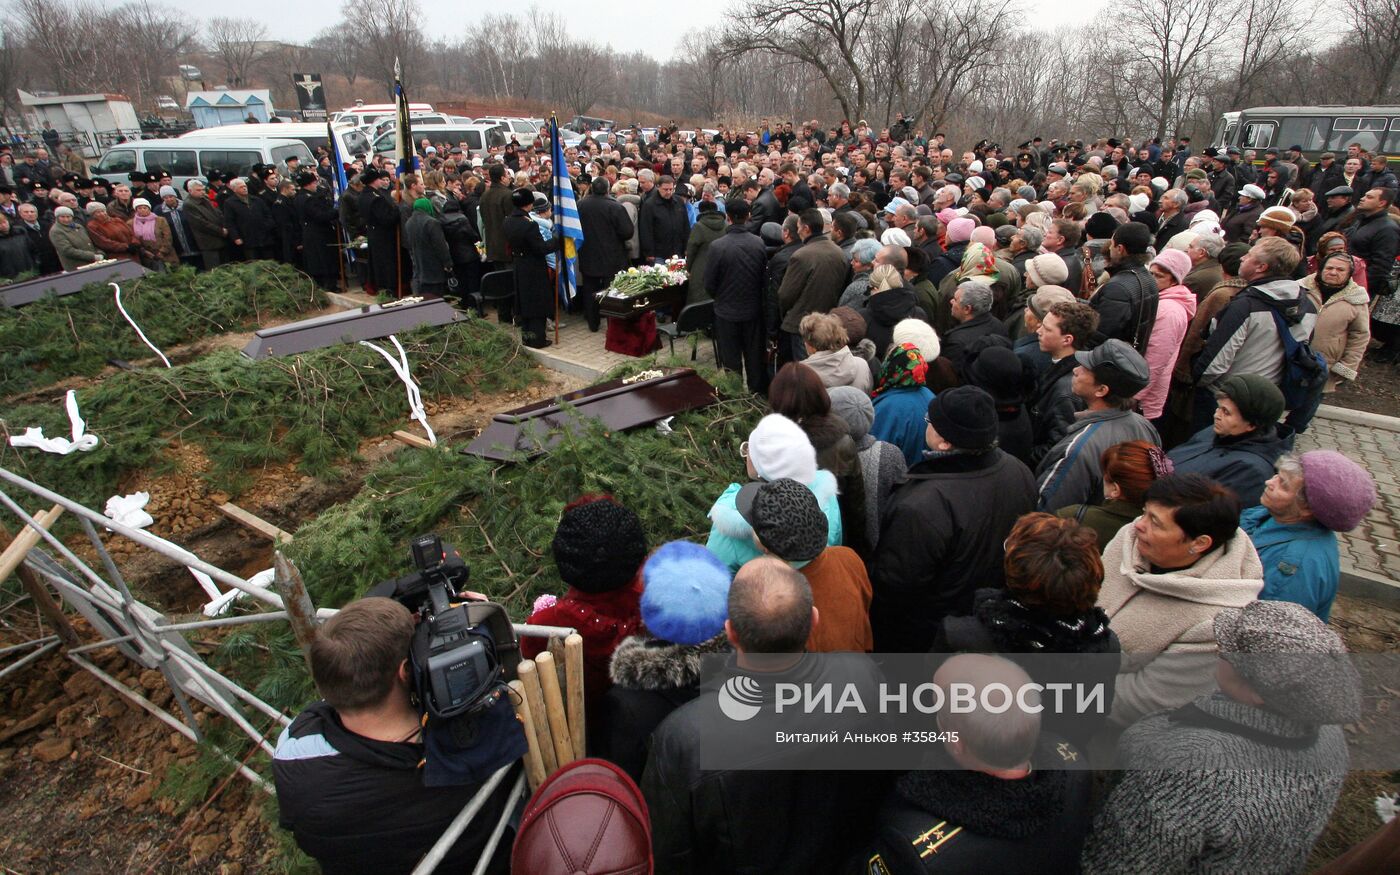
x=559 y=265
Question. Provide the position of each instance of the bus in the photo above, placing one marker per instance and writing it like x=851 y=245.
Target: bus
x=1318 y=129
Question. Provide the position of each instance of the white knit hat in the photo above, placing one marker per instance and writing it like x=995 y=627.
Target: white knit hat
x=140 y=202
x=778 y=447
x=919 y=333
x=1047 y=269
x=895 y=237
x=1182 y=240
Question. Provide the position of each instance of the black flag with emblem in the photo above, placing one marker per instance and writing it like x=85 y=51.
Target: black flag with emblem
x=311 y=96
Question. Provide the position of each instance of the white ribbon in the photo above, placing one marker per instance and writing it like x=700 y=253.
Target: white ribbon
x=133 y=324
x=34 y=437
x=129 y=510
x=415 y=397
x=221 y=601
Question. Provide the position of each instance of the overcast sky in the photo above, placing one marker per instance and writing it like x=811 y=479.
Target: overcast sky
x=607 y=21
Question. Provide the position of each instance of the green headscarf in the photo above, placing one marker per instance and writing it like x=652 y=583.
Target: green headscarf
x=423 y=205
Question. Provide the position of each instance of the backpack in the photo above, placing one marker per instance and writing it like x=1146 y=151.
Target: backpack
x=588 y=817
x=1304 y=370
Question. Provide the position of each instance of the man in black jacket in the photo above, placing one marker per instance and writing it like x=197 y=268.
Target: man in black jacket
x=767 y=816
x=972 y=314
x=663 y=226
x=946 y=526
x=381 y=218
x=1127 y=303
x=1374 y=238
x=36 y=230
x=734 y=275
x=317 y=217
x=1326 y=176
x=250 y=223
x=527 y=250
x=606 y=231
x=348 y=769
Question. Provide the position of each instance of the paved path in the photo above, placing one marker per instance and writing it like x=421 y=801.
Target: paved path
x=580 y=352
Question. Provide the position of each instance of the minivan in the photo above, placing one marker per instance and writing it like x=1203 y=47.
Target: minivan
x=350 y=141
x=524 y=130
x=478 y=138
x=367 y=113
x=186 y=159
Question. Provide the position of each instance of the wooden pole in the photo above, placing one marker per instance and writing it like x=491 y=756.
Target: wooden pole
x=25 y=541
x=51 y=610
x=530 y=677
x=573 y=672
x=554 y=708
x=301 y=613
x=534 y=766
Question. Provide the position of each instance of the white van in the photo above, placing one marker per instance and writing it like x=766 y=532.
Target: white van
x=478 y=138
x=350 y=141
x=367 y=113
x=184 y=158
x=522 y=129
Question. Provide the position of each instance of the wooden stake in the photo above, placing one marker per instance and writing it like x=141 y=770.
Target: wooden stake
x=530 y=677
x=554 y=708
x=301 y=613
x=534 y=767
x=51 y=610
x=254 y=523
x=412 y=440
x=26 y=539
x=573 y=672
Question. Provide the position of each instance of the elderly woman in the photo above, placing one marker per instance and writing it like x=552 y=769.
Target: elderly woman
x=153 y=235
x=777 y=448
x=901 y=402
x=1343 y=329
x=829 y=354
x=71 y=241
x=1053 y=574
x=891 y=301
x=1311 y=498
x=882 y=464
x=110 y=234
x=1335 y=241
x=1166 y=576
x=1244 y=440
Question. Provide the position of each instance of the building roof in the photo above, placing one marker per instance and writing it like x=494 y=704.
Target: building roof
x=34 y=100
x=256 y=96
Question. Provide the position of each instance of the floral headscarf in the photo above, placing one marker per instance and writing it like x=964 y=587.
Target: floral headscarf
x=903 y=367
x=977 y=261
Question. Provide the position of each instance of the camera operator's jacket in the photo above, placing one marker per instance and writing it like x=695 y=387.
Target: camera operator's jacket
x=359 y=805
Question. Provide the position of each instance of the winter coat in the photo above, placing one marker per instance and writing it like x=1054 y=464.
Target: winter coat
x=113 y=236
x=1203 y=277
x=1239 y=224
x=317 y=216
x=15 y=257
x=1175 y=307
x=664 y=227
x=778 y=262
x=1195 y=339
x=162 y=251
x=1000 y=623
x=1105 y=519
x=1323 y=181
x=765 y=208
x=427 y=247
x=1244 y=338
x=534 y=293
x=207 y=223
x=647 y=679
x=1069 y=473
x=740 y=821
x=1171 y=612
x=73 y=245
x=708 y=228
x=1375 y=238
x=250 y=220
x=840 y=367
x=1243 y=462
x=1259 y=810
x=882 y=468
x=731 y=536
x=495 y=206
x=1015 y=435
x=180 y=234
x=1074 y=261
x=1336 y=220
x=40 y=247
x=963 y=335
x=1127 y=304
x=886 y=309
x=1301 y=562
x=633 y=205
x=949 y=261
x=841 y=594
x=1169 y=229
x=813 y=281
x=1343 y=329
x=941 y=539
x=899 y=420
x=734 y=275
x=607 y=229
x=952 y=820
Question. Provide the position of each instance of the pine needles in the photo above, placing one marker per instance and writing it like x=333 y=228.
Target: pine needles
x=75 y=335
x=314 y=407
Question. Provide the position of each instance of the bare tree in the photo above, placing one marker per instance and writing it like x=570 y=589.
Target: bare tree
x=954 y=46
x=154 y=37
x=1271 y=34
x=13 y=75
x=58 y=39
x=397 y=38
x=701 y=75
x=339 y=51
x=1181 y=34
x=1375 y=36
x=235 y=43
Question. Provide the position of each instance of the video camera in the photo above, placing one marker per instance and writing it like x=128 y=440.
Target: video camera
x=461 y=651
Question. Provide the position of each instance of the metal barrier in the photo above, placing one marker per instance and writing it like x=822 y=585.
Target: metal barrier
x=147 y=637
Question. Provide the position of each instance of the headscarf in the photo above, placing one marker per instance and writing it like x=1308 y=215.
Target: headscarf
x=144 y=227
x=977 y=262
x=423 y=205
x=903 y=368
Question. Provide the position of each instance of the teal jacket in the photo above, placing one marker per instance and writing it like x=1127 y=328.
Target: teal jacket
x=1300 y=560
x=731 y=536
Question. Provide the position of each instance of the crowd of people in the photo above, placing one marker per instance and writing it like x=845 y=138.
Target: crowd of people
x=1040 y=400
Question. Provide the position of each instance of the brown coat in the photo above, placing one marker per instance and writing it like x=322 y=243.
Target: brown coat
x=112 y=235
x=1203 y=277
x=163 y=250
x=1194 y=341
x=813 y=282
x=841 y=593
x=1343 y=329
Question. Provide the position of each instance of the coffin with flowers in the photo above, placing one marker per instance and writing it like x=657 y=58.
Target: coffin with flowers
x=645 y=289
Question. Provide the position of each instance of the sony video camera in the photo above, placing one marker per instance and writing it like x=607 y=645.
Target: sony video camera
x=463 y=652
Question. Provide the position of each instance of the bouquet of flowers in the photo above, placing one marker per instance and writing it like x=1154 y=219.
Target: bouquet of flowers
x=649 y=278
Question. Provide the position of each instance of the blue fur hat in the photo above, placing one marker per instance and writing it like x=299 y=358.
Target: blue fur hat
x=686 y=595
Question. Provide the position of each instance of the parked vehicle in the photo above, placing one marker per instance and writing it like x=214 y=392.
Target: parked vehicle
x=187 y=157
x=350 y=141
x=1317 y=129
x=475 y=139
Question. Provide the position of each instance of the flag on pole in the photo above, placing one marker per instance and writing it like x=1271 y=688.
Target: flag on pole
x=339 y=183
x=566 y=224
x=408 y=161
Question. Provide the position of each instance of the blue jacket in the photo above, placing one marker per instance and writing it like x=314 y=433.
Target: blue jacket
x=899 y=420
x=1300 y=560
x=731 y=536
x=1242 y=463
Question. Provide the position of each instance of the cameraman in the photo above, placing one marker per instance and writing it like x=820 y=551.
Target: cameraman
x=348 y=769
